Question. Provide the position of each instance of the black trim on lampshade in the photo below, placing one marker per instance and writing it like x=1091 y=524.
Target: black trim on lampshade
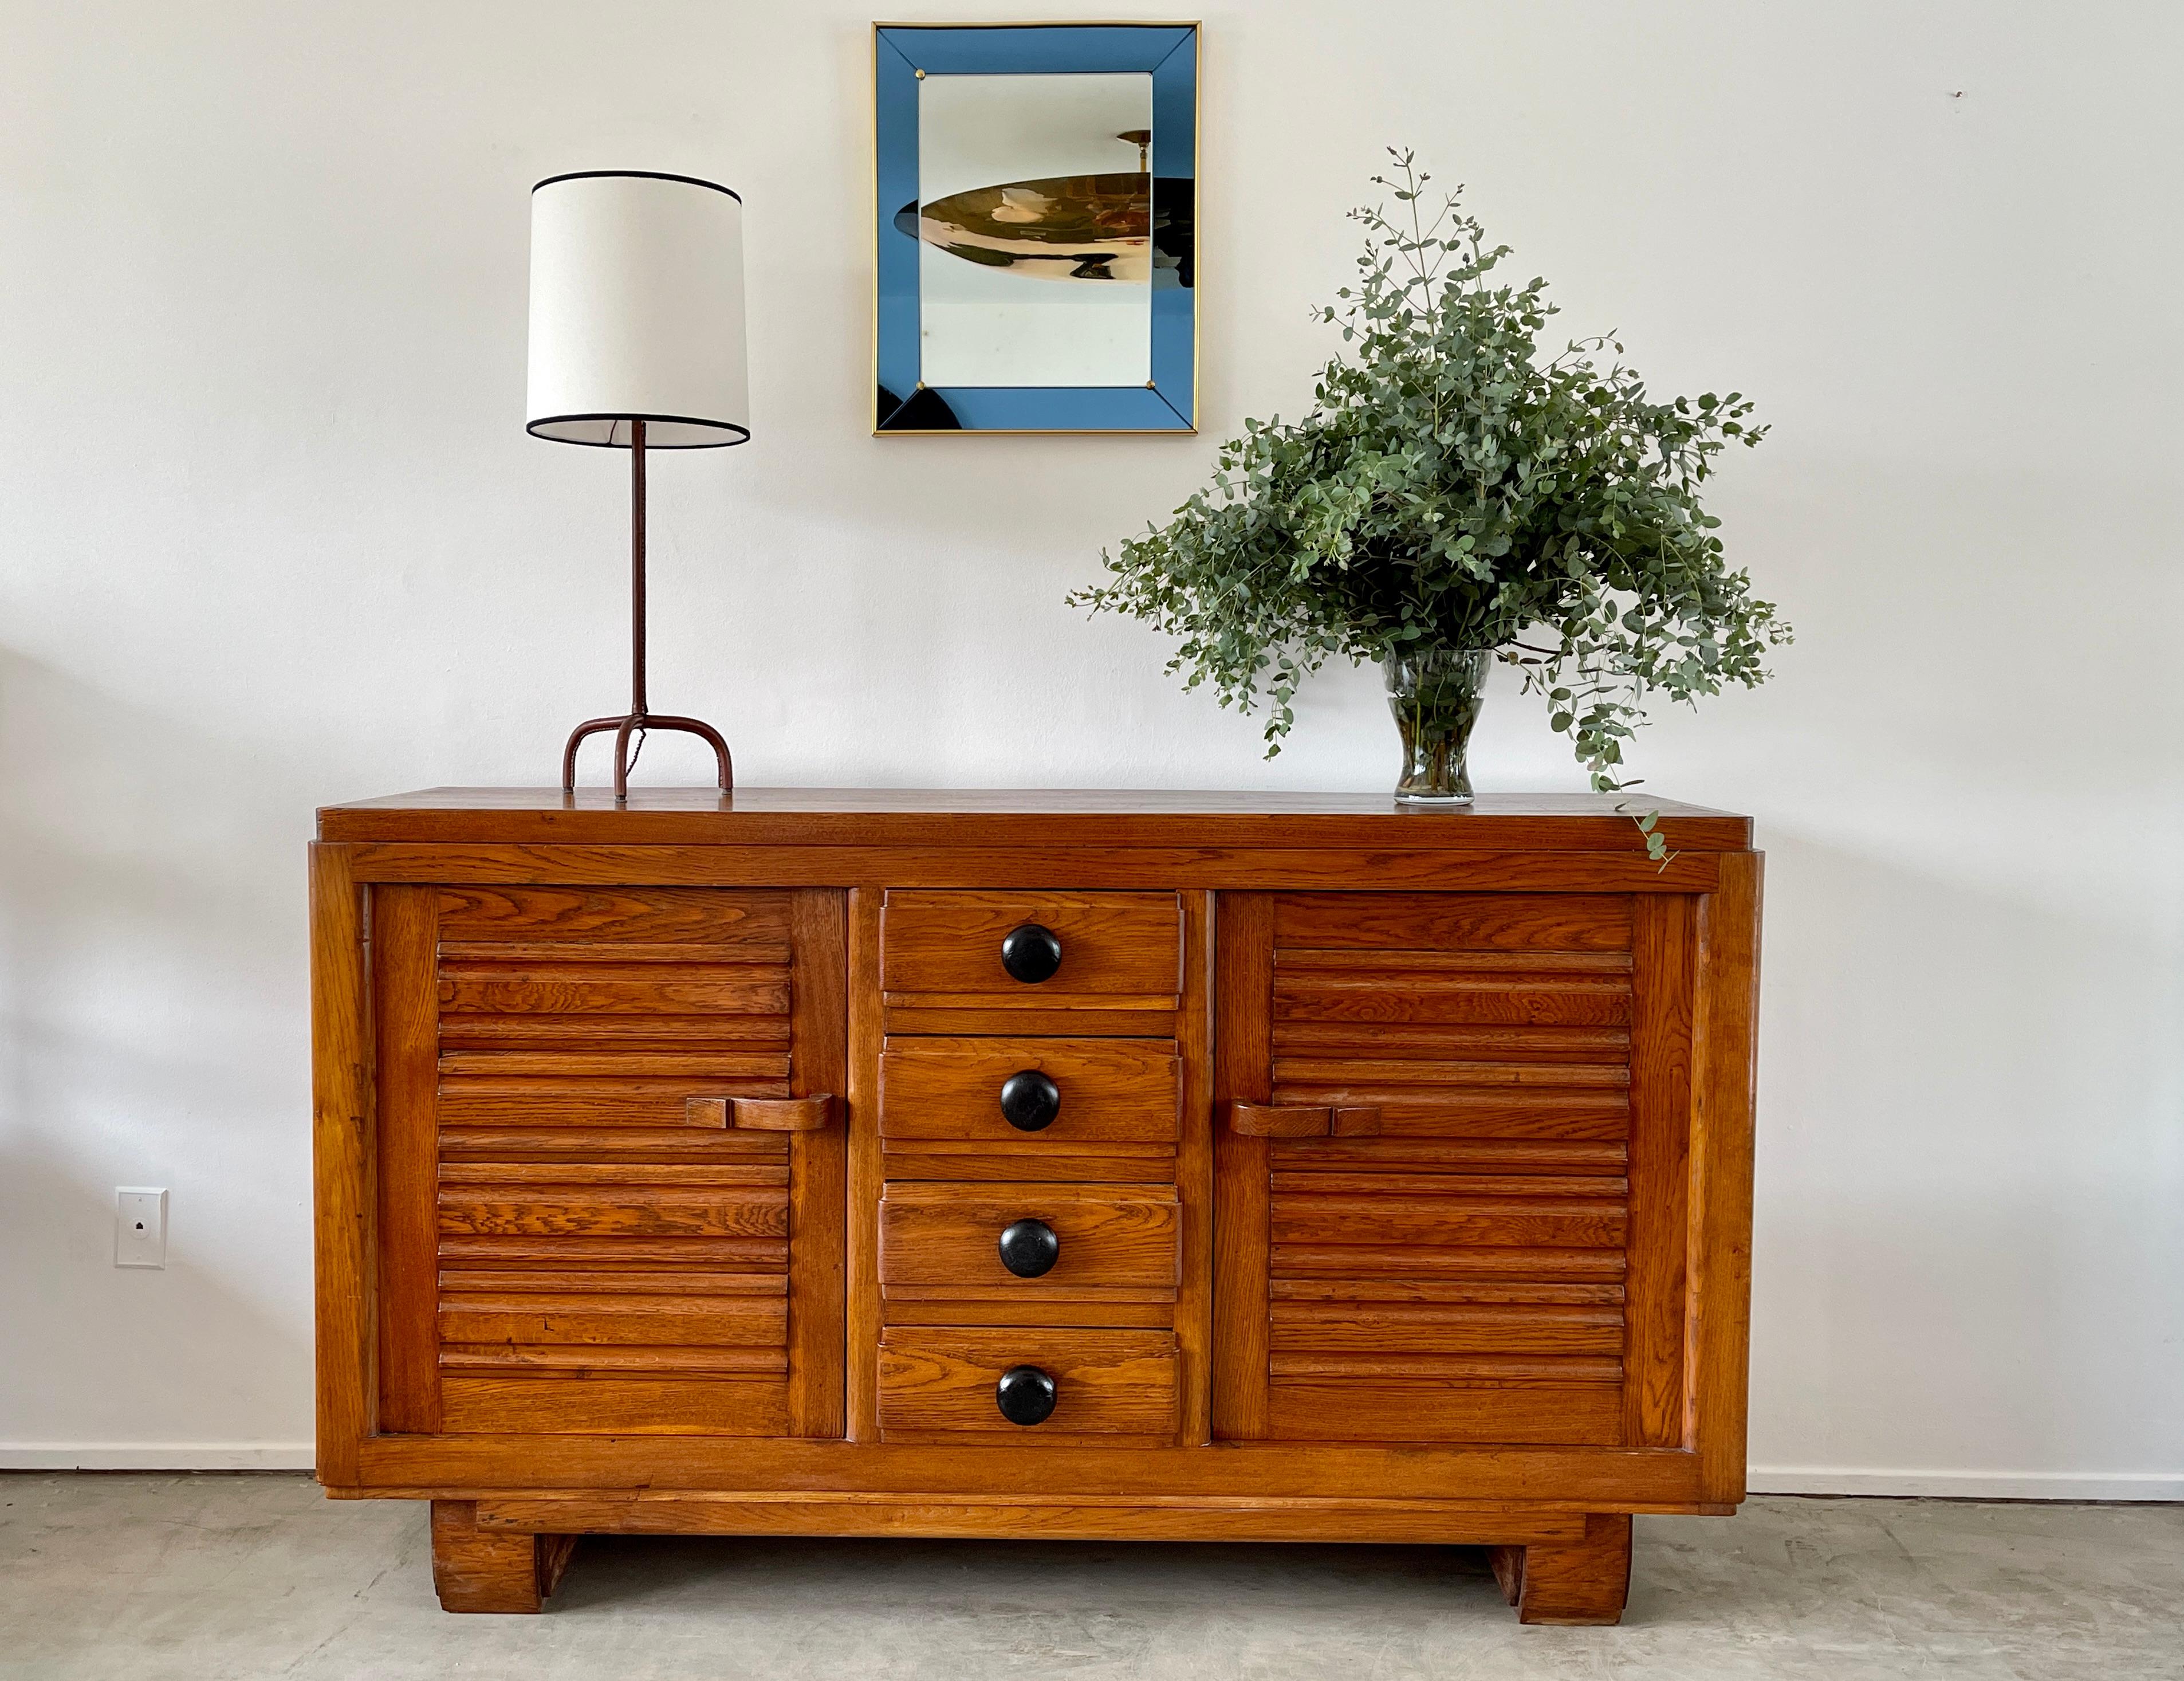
x=743 y=432
x=639 y=174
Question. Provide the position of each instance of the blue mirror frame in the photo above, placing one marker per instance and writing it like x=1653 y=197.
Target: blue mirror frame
x=901 y=54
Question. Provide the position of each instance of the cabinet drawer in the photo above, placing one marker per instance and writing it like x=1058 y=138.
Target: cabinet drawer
x=1105 y=1236
x=1116 y=946
x=1110 y=1383
x=1096 y=1091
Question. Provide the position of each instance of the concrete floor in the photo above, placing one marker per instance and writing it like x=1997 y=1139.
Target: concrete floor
x=115 y=1577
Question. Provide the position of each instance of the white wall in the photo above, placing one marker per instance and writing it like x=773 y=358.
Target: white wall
x=274 y=535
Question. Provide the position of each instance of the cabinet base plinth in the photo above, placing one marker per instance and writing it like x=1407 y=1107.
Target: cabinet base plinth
x=507 y=1554
x=483 y=1570
x=1580 y=1584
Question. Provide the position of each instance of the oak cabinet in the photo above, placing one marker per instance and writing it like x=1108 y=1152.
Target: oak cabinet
x=1112 y=1166
x=575 y=1236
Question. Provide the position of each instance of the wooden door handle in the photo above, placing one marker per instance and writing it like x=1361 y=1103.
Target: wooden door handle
x=763 y=1115
x=1269 y=1120
x=1286 y=1121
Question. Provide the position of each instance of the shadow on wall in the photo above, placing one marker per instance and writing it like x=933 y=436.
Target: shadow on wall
x=1967 y=1170
x=153 y=1030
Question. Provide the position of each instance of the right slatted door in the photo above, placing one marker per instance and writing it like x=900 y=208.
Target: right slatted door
x=1453 y=1135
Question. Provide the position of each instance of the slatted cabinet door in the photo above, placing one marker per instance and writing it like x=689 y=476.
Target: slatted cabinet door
x=1452 y=1206
x=573 y=1241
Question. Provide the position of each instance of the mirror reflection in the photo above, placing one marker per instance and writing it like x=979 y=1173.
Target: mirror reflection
x=1036 y=229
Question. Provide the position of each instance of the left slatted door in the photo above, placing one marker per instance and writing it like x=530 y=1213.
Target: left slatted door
x=569 y=1244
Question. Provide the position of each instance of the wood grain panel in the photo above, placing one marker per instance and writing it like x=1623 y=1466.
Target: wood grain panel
x=1419 y=1261
x=1456 y=969
x=495 y=1102
x=1095 y=1014
x=1407 y=1075
x=1033 y=869
x=1415 y=1041
x=1459 y=1113
x=950 y=942
x=1106 y=1382
x=1666 y=934
x=958 y=1159
x=1375 y=998
x=1111 y=1090
x=600 y=989
x=657 y=1359
x=572 y=1210
x=761 y=1255
x=576 y=1145
x=905 y=1304
x=520 y=1043
x=1036 y=1517
x=344 y=1168
x=1444 y=1328
x=1196 y=1344
x=1243 y=1061
x=1478 y=1048
x=1450 y=1219
x=625 y=914
x=402 y=935
x=1718 y=1328
x=1351 y=1289
x=1443 y=922
x=620 y=1406
x=1477 y=1371
x=1352 y=1182
x=1565 y=1478
x=611 y=1280
x=560 y=959
x=943 y=1234
x=475 y=1172
x=661 y=1035
x=512 y=1315
x=768 y=1064
x=604 y=1264
x=819 y=1165
x=1084 y=1012
x=1094 y=818
x=1433 y=1156
x=1354 y=1410
x=862 y=1336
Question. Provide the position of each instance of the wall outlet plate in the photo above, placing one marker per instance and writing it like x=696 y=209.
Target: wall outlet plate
x=139 y=1227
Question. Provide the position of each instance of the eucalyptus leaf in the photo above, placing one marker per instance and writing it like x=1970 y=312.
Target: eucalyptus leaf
x=1454 y=484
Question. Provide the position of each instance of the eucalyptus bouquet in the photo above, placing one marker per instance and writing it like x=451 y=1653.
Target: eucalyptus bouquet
x=1454 y=488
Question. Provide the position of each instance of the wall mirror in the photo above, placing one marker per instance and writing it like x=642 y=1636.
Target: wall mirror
x=1035 y=233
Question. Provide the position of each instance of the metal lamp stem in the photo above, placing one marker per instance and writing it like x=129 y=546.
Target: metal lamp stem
x=639 y=718
x=636 y=706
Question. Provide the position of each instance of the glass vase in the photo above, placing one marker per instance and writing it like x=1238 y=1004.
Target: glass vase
x=1436 y=694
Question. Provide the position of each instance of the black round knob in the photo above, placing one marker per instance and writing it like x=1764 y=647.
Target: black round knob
x=1025 y=1395
x=1031 y=953
x=1030 y=1101
x=1029 y=1248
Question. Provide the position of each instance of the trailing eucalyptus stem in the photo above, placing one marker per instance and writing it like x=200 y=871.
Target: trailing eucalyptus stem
x=1454 y=486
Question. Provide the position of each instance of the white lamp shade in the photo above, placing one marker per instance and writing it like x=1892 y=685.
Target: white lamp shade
x=636 y=311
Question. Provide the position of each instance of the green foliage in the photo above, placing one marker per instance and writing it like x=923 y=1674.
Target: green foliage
x=1452 y=485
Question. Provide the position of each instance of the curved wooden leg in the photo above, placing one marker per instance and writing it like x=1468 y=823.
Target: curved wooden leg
x=477 y=1569
x=1572 y=1584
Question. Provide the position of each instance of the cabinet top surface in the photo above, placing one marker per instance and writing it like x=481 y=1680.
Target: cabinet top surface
x=755 y=817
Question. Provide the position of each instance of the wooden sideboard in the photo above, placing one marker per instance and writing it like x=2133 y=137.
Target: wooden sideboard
x=1072 y=1166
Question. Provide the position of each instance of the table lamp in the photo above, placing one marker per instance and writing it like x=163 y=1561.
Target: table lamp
x=637 y=343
